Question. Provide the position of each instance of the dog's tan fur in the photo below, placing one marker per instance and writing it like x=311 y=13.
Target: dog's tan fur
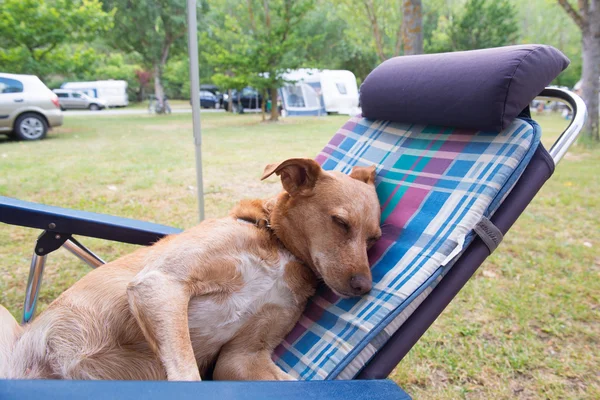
x=224 y=293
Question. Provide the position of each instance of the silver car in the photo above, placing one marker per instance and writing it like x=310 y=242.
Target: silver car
x=27 y=107
x=73 y=100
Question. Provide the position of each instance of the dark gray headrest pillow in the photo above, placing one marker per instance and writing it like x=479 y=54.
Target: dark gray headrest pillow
x=478 y=89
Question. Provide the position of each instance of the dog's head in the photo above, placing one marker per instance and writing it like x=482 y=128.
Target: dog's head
x=328 y=220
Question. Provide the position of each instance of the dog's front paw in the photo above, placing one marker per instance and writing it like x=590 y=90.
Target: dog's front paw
x=282 y=376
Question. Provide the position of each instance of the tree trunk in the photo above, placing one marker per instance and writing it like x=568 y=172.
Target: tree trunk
x=251 y=14
x=229 y=103
x=159 y=91
x=274 y=108
x=591 y=76
x=412 y=27
x=587 y=18
x=262 y=105
x=372 y=15
x=159 y=65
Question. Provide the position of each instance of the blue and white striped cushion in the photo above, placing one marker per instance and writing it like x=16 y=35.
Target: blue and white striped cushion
x=434 y=185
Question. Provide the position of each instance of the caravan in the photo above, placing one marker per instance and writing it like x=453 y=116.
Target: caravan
x=114 y=93
x=319 y=92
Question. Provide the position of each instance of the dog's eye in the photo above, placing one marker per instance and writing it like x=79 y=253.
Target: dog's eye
x=341 y=223
x=371 y=241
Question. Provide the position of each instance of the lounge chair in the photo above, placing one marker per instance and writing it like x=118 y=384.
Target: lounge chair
x=448 y=196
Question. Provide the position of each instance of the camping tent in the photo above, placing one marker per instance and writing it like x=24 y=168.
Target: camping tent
x=317 y=92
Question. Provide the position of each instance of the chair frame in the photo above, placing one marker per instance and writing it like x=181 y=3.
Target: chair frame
x=58 y=226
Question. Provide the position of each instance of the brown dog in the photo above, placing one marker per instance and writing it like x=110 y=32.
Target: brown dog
x=224 y=293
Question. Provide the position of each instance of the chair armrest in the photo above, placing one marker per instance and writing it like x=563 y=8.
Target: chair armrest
x=571 y=132
x=64 y=220
x=207 y=390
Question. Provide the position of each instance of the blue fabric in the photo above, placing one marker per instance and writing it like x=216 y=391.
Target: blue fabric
x=151 y=390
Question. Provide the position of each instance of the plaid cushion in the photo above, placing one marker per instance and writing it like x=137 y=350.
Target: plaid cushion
x=434 y=184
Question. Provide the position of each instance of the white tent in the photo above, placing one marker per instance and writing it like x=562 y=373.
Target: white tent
x=316 y=92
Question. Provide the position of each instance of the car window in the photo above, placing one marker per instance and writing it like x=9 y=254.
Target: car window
x=62 y=95
x=76 y=95
x=205 y=93
x=341 y=88
x=10 y=86
x=249 y=92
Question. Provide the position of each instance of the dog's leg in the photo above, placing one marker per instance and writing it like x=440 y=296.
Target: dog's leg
x=160 y=305
x=248 y=366
x=248 y=355
x=9 y=334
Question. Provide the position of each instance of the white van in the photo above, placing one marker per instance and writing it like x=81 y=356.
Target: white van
x=114 y=93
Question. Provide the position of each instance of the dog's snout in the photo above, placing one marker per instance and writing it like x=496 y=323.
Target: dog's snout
x=360 y=284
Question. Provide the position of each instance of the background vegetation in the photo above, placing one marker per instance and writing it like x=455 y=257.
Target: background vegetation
x=67 y=40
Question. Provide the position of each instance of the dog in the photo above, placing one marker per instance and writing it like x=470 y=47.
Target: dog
x=220 y=296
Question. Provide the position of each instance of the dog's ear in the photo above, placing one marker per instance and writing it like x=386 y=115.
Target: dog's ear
x=364 y=174
x=298 y=175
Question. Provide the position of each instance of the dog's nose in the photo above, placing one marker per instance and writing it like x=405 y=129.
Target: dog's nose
x=360 y=284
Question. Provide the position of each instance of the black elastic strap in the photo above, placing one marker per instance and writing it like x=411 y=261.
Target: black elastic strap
x=489 y=233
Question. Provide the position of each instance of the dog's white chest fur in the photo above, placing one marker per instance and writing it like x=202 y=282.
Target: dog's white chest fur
x=216 y=322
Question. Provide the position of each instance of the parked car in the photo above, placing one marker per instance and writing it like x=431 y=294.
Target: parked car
x=214 y=89
x=75 y=100
x=27 y=107
x=208 y=100
x=246 y=98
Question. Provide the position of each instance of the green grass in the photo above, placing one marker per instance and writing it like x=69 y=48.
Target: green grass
x=174 y=103
x=526 y=326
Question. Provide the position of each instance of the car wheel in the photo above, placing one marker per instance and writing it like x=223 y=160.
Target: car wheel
x=94 y=107
x=30 y=126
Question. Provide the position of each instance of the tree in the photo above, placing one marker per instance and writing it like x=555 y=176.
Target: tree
x=374 y=25
x=39 y=46
x=412 y=27
x=151 y=28
x=119 y=66
x=278 y=46
x=225 y=46
x=587 y=17
x=259 y=42
x=562 y=33
x=481 y=24
x=336 y=40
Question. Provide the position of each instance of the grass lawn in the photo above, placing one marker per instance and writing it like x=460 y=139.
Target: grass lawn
x=174 y=103
x=526 y=326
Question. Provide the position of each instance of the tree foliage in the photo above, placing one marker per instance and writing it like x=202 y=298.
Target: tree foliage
x=543 y=21
x=37 y=36
x=480 y=24
x=250 y=42
x=151 y=28
x=257 y=43
x=373 y=25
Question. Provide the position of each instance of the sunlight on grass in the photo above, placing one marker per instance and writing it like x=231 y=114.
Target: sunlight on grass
x=526 y=326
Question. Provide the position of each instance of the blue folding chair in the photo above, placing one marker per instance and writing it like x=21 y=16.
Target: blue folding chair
x=448 y=196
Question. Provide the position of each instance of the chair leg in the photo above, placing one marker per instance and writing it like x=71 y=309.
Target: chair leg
x=33 y=286
x=83 y=253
